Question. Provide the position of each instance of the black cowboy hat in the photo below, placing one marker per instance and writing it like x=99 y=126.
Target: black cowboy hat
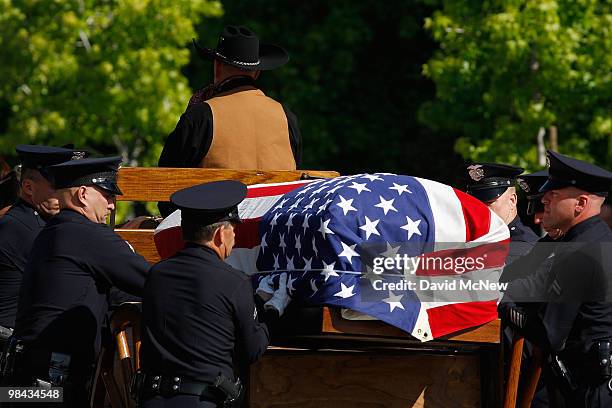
x=240 y=47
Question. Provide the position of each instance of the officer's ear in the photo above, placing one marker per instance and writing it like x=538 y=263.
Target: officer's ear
x=217 y=237
x=582 y=202
x=81 y=194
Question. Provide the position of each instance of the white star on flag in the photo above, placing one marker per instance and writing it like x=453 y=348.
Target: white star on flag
x=313 y=287
x=386 y=205
x=263 y=244
x=359 y=187
x=323 y=206
x=390 y=252
x=328 y=270
x=311 y=204
x=324 y=228
x=372 y=177
x=400 y=188
x=305 y=223
x=276 y=265
x=345 y=292
x=290 y=265
x=412 y=227
x=290 y=281
x=307 y=263
x=278 y=207
x=370 y=227
x=298 y=243
x=282 y=242
x=348 y=252
x=346 y=205
x=333 y=190
x=289 y=223
x=394 y=301
x=296 y=204
x=314 y=246
x=273 y=222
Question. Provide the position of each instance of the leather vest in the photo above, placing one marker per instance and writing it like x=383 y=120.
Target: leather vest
x=250 y=131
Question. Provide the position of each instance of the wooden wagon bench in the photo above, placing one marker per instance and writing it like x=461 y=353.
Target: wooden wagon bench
x=344 y=363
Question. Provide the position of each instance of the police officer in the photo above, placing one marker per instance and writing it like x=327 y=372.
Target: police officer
x=74 y=262
x=24 y=220
x=199 y=315
x=493 y=184
x=574 y=325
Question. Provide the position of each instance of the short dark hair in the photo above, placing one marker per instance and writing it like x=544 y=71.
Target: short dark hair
x=195 y=231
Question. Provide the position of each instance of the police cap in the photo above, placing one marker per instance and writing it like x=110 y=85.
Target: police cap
x=101 y=172
x=40 y=157
x=565 y=171
x=488 y=181
x=531 y=184
x=212 y=202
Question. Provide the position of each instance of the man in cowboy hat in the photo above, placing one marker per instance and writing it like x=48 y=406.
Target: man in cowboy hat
x=235 y=125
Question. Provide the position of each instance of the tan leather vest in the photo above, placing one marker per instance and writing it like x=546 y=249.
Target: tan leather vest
x=250 y=131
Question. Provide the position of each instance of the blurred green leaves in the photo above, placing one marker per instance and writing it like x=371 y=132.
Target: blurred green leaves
x=507 y=68
x=102 y=74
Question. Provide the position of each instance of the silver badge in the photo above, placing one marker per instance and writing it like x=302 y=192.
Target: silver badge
x=476 y=172
x=523 y=185
x=77 y=155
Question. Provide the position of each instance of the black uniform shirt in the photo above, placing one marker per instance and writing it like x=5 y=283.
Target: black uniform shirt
x=522 y=239
x=72 y=266
x=578 y=311
x=18 y=229
x=196 y=311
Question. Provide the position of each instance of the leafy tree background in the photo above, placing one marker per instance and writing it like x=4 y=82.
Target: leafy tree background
x=415 y=87
x=506 y=68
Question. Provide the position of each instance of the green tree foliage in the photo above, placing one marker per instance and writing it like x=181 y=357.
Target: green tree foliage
x=507 y=68
x=100 y=74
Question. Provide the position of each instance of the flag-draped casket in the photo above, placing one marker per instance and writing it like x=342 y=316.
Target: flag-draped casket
x=333 y=236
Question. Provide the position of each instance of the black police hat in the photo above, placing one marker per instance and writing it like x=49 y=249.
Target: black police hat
x=565 y=171
x=487 y=181
x=212 y=202
x=240 y=47
x=531 y=184
x=40 y=157
x=101 y=172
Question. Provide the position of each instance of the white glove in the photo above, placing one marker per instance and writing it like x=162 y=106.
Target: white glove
x=265 y=290
x=280 y=298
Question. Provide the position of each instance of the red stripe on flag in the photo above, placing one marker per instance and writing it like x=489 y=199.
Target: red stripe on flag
x=447 y=319
x=273 y=190
x=477 y=216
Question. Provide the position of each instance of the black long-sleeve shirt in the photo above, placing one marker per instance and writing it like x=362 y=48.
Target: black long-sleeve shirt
x=198 y=315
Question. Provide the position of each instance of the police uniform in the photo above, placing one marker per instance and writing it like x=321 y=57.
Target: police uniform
x=575 y=323
x=487 y=182
x=73 y=265
x=20 y=225
x=199 y=316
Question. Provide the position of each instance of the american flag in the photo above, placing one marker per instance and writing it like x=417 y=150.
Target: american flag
x=324 y=233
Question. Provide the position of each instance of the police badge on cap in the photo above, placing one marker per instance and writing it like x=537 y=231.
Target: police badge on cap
x=488 y=181
x=101 y=172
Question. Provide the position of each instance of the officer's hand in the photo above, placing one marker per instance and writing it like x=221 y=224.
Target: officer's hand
x=280 y=299
x=265 y=290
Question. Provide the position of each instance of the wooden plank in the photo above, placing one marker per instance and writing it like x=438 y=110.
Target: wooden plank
x=364 y=380
x=142 y=242
x=157 y=184
x=334 y=323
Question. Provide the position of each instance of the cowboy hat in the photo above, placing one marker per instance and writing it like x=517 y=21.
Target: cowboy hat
x=240 y=47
